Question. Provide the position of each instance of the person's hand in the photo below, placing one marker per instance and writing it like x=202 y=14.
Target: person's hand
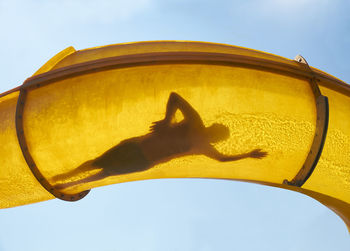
x=159 y=125
x=257 y=154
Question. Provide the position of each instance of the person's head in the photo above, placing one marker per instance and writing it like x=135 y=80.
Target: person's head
x=217 y=132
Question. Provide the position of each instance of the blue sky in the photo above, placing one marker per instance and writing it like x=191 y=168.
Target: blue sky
x=182 y=214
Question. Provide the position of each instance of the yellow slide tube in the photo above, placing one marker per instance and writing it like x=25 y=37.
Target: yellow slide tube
x=174 y=109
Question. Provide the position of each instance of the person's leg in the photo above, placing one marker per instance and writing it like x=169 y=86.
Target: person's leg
x=98 y=176
x=86 y=166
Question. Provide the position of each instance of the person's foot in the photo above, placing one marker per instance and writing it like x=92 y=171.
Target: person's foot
x=61 y=186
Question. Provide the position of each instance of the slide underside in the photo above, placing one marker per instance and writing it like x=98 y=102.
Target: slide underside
x=174 y=109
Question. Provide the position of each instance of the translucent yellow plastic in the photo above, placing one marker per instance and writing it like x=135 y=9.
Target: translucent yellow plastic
x=78 y=118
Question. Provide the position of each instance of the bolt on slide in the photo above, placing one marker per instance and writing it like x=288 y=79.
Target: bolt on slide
x=175 y=109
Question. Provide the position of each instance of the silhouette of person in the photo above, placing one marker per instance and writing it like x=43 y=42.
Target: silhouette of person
x=166 y=141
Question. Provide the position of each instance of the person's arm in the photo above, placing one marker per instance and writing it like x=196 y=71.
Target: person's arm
x=211 y=152
x=175 y=102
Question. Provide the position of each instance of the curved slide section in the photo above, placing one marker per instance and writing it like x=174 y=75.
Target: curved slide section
x=173 y=109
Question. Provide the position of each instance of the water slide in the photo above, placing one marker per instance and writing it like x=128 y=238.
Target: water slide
x=175 y=109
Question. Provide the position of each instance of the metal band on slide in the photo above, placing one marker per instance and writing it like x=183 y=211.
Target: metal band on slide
x=27 y=156
x=322 y=109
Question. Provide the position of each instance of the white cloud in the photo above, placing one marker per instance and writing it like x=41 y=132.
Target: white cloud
x=290 y=9
x=34 y=30
x=83 y=11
